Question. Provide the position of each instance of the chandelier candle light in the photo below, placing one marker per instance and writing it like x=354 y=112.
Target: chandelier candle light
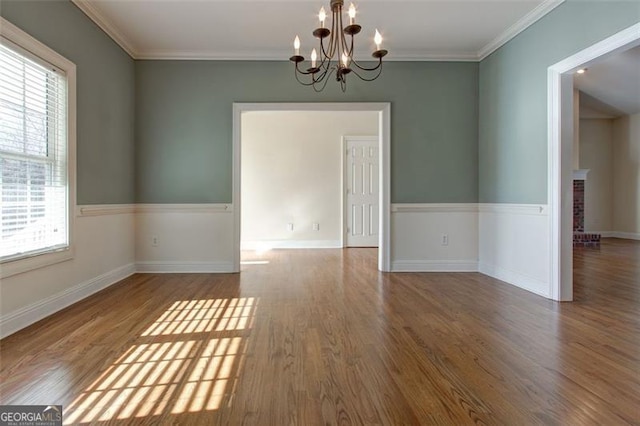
x=336 y=54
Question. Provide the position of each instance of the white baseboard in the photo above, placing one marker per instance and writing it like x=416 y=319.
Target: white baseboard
x=290 y=244
x=616 y=234
x=184 y=267
x=434 y=266
x=30 y=314
x=603 y=234
x=514 y=278
x=626 y=235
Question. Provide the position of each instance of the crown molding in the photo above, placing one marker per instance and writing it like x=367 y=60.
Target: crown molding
x=117 y=35
x=196 y=55
x=106 y=25
x=523 y=23
x=433 y=57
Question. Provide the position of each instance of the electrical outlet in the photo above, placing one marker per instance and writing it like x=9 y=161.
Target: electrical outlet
x=289 y=226
x=316 y=226
x=445 y=240
x=154 y=241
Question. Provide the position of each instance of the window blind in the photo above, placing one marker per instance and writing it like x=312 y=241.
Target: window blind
x=33 y=155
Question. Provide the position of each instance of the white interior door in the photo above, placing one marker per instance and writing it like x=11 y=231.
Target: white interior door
x=362 y=191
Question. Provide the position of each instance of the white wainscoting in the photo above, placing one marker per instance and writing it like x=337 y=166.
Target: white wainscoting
x=184 y=238
x=103 y=255
x=506 y=241
x=417 y=232
x=514 y=245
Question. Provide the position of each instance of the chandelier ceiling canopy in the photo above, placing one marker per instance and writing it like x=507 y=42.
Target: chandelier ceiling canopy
x=335 y=52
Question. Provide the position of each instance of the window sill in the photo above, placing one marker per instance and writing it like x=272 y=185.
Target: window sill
x=28 y=264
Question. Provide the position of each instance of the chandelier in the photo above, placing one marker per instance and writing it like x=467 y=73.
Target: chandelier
x=336 y=53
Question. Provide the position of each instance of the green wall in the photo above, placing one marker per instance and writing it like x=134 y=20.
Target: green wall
x=184 y=125
x=105 y=100
x=513 y=95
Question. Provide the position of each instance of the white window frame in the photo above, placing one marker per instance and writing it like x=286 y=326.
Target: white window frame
x=20 y=38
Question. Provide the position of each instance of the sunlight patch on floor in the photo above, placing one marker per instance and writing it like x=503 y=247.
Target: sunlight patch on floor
x=184 y=362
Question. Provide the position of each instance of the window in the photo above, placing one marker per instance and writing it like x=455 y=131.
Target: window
x=35 y=180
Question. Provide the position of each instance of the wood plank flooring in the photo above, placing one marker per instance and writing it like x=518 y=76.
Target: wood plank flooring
x=320 y=337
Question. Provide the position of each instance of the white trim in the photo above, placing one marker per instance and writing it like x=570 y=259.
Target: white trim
x=510 y=277
x=603 y=234
x=625 y=235
x=184 y=208
x=37 y=261
x=290 y=244
x=616 y=234
x=431 y=57
x=202 y=55
x=109 y=209
x=580 y=174
x=522 y=24
x=104 y=209
x=159 y=267
x=560 y=153
x=434 y=208
x=434 y=266
x=34 y=312
x=107 y=26
x=528 y=209
x=384 y=134
x=25 y=41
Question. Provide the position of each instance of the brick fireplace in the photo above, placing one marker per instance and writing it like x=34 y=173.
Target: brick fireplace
x=580 y=238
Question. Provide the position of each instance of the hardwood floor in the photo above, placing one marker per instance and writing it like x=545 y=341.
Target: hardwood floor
x=321 y=337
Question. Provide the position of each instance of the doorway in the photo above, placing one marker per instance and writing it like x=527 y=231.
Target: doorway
x=383 y=147
x=560 y=154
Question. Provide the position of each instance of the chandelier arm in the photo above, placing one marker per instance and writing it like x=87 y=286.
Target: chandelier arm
x=324 y=53
x=321 y=76
x=302 y=82
x=368 y=69
x=351 y=48
x=326 y=80
x=343 y=39
x=324 y=65
x=298 y=70
x=368 y=79
x=297 y=73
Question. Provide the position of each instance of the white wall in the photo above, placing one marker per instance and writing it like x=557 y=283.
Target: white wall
x=514 y=245
x=184 y=238
x=291 y=173
x=104 y=254
x=626 y=176
x=434 y=237
x=596 y=154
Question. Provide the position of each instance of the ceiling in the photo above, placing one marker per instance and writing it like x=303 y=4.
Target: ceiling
x=611 y=85
x=262 y=29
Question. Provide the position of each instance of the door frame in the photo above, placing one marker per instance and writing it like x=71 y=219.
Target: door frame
x=343 y=183
x=384 y=143
x=560 y=154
